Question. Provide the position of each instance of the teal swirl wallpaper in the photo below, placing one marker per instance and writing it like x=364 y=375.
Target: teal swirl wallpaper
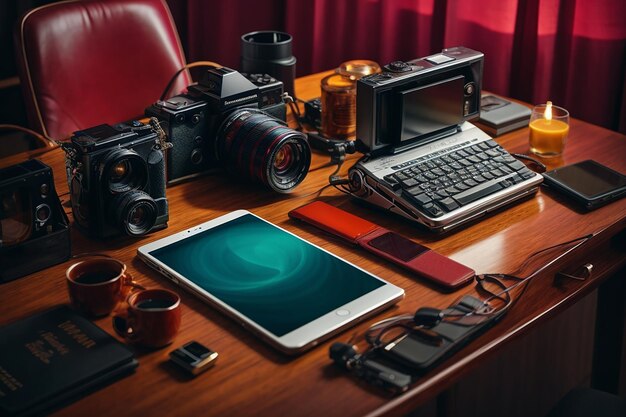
x=270 y=276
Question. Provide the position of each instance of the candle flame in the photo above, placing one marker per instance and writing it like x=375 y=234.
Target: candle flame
x=548 y=113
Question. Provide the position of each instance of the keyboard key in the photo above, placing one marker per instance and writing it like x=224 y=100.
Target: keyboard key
x=438 y=172
x=516 y=179
x=506 y=183
x=392 y=181
x=476 y=193
x=448 y=204
x=442 y=193
x=526 y=173
x=401 y=177
x=470 y=183
x=433 y=210
x=517 y=165
x=408 y=183
x=422 y=199
x=452 y=190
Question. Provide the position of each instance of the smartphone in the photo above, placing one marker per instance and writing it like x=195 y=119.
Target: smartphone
x=387 y=244
x=589 y=183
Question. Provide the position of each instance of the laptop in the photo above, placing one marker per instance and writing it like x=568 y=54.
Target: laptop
x=423 y=159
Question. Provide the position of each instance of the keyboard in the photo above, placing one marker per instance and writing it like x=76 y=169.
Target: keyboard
x=447 y=180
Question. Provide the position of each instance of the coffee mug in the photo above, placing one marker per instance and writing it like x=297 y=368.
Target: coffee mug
x=152 y=318
x=97 y=285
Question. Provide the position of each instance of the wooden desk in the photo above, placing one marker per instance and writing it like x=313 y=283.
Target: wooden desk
x=251 y=378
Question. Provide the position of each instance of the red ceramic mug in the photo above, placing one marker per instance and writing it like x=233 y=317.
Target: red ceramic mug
x=97 y=285
x=152 y=318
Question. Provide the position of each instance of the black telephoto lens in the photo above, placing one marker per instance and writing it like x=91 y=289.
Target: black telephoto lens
x=262 y=148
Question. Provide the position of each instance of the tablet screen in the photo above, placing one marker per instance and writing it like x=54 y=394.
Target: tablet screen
x=272 y=277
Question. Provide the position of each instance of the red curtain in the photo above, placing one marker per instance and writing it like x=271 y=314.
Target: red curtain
x=572 y=52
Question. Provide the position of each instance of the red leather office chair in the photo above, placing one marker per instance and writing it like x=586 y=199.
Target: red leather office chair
x=83 y=63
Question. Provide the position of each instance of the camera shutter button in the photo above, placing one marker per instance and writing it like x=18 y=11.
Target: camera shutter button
x=399 y=66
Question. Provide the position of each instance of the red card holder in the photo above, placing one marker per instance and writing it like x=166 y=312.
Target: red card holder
x=386 y=244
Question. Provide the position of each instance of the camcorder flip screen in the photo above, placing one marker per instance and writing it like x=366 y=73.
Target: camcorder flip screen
x=432 y=107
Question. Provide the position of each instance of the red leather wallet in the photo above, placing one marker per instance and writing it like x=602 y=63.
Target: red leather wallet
x=386 y=244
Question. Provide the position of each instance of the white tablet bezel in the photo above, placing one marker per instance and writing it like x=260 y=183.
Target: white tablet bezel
x=301 y=338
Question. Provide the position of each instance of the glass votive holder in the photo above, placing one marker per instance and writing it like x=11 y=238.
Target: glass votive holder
x=549 y=127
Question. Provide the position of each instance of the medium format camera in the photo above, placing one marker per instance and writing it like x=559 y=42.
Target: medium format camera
x=237 y=121
x=410 y=103
x=34 y=232
x=117 y=180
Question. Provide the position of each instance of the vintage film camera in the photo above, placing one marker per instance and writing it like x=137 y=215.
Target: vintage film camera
x=424 y=98
x=117 y=180
x=237 y=121
x=34 y=231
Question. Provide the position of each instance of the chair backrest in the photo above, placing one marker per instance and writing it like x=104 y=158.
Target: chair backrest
x=84 y=63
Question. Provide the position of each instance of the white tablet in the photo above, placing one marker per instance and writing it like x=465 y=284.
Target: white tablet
x=287 y=290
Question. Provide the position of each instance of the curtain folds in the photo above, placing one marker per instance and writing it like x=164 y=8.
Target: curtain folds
x=572 y=52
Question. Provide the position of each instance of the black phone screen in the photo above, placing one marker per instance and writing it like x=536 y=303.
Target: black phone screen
x=398 y=246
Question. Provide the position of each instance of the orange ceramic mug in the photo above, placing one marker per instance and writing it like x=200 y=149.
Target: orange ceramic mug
x=152 y=318
x=97 y=285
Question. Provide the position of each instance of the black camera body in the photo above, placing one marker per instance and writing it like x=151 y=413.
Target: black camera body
x=34 y=230
x=191 y=120
x=410 y=103
x=117 y=180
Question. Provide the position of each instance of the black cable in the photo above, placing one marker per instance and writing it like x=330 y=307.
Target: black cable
x=542 y=167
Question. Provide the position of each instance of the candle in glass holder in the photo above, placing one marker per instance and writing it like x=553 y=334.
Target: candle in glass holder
x=549 y=127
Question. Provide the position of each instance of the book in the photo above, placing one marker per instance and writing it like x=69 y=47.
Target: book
x=53 y=357
x=498 y=115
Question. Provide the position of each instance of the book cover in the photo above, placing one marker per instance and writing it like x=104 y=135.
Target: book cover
x=498 y=116
x=53 y=357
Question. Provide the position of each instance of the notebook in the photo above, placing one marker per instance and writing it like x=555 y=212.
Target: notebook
x=54 y=357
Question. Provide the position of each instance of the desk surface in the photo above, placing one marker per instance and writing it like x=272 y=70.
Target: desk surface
x=251 y=378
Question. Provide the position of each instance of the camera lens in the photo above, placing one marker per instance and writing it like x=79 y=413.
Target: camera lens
x=134 y=212
x=42 y=213
x=262 y=148
x=123 y=170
